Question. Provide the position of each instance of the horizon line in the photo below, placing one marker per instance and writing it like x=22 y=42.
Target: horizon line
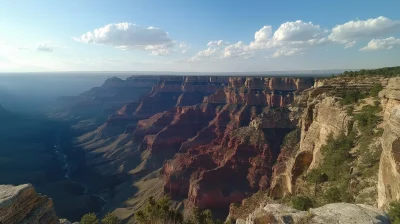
x=189 y=72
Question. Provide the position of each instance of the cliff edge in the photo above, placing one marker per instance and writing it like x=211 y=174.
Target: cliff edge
x=21 y=204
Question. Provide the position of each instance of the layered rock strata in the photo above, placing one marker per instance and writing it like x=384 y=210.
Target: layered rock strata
x=389 y=167
x=21 y=204
x=204 y=127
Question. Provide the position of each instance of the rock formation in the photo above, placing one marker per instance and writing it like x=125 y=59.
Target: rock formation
x=321 y=116
x=331 y=213
x=21 y=204
x=389 y=170
x=201 y=125
x=319 y=112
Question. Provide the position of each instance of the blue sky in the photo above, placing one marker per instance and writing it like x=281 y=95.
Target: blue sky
x=197 y=35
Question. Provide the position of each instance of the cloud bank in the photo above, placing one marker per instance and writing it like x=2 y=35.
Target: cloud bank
x=297 y=37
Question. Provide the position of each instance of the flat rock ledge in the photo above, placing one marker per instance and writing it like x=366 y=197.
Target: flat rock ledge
x=340 y=213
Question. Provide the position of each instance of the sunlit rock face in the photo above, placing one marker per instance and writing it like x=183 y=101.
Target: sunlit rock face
x=389 y=167
x=330 y=213
x=21 y=204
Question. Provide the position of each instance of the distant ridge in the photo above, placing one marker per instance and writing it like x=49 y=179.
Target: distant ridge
x=127 y=73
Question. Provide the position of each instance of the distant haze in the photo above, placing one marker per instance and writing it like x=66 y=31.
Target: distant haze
x=22 y=93
x=30 y=92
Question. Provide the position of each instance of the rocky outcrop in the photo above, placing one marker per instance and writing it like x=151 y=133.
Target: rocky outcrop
x=21 y=204
x=319 y=117
x=330 y=213
x=272 y=92
x=389 y=167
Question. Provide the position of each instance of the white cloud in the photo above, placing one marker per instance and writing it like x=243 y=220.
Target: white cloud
x=352 y=31
x=208 y=53
x=349 y=44
x=130 y=36
x=287 y=52
x=217 y=43
x=47 y=46
x=381 y=44
x=237 y=50
x=263 y=35
x=297 y=31
x=184 y=47
x=297 y=34
x=288 y=39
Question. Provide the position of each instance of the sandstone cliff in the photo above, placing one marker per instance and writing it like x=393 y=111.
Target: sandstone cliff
x=21 y=204
x=321 y=116
x=322 y=113
x=389 y=171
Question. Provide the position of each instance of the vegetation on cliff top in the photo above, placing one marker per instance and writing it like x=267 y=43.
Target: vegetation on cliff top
x=352 y=96
x=91 y=218
x=385 y=72
x=161 y=212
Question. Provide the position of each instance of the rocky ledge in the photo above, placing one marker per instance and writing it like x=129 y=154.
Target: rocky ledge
x=21 y=204
x=330 y=213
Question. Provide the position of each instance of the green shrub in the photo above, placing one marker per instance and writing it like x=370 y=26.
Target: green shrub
x=160 y=211
x=203 y=217
x=338 y=194
x=351 y=96
x=333 y=195
x=337 y=156
x=375 y=90
x=110 y=219
x=316 y=176
x=394 y=212
x=302 y=203
x=334 y=169
x=89 y=219
x=292 y=138
x=349 y=110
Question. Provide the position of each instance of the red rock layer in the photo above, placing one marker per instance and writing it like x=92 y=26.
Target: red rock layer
x=222 y=163
x=271 y=83
x=245 y=97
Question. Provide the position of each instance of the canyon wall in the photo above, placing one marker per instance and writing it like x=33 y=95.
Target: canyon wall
x=318 y=113
x=320 y=117
x=389 y=170
x=199 y=133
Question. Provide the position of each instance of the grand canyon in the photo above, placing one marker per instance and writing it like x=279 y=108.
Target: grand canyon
x=243 y=147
